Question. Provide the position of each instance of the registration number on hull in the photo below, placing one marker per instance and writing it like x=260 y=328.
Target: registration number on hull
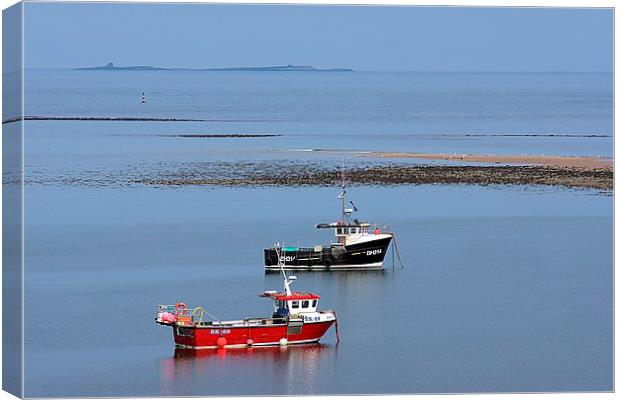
x=219 y=331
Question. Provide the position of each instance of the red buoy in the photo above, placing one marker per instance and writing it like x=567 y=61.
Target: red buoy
x=221 y=341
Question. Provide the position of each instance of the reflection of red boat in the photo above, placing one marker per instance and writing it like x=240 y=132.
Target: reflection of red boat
x=193 y=372
x=308 y=352
x=295 y=320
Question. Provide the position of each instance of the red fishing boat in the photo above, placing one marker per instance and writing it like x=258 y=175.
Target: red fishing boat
x=295 y=320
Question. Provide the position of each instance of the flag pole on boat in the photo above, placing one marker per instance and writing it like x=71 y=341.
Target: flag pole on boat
x=341 y=196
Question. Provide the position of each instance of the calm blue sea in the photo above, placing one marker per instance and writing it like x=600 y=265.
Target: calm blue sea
x=504 y=288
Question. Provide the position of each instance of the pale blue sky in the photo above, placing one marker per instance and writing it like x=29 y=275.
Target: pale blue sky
x=59 y=35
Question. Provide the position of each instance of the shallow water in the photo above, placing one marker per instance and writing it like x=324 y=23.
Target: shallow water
x=504 y=288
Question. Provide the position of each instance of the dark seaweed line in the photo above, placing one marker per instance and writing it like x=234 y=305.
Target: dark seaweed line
x=42 y=118
x=401 y=175
x=143 y=119
x=296 y=174
x=594 y=135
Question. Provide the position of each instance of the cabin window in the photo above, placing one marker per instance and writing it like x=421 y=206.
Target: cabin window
x=313 y=303
x=338 y=231
x=295 y=304
x=305 y=304
x=281 y=304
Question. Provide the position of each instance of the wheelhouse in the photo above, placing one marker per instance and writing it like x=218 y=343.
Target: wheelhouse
x=352 y=230
x=294 y=303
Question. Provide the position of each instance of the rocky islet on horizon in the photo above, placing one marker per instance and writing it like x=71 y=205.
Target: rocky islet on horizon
x=276 y=68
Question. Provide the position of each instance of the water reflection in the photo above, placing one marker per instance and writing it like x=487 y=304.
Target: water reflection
x=340 y=284
x=287 y=369
x=309 y=278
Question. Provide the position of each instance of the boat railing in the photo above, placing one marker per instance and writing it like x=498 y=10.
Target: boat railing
x=263 y=321
x=171 y=314
x=192 y=316
x=185 y=316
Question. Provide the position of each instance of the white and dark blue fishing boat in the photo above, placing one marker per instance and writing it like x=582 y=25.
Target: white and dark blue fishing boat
x=358 y=245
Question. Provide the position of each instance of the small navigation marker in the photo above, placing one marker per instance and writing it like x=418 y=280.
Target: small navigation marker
x=143 y=99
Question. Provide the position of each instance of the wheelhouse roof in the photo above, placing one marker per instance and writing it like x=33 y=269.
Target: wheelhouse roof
x=341 y=225
x=296 y=296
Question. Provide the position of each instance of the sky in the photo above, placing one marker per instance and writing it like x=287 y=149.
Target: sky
x=396 y=38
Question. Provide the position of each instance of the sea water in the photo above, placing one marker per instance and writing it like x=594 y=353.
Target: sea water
x=504 y=288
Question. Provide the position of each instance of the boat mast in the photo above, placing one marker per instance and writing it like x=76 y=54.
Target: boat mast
x=281 y=263
x=343 y=191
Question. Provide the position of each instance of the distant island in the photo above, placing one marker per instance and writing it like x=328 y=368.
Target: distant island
x=112 y=67
x=285 y=68
x=277 y=68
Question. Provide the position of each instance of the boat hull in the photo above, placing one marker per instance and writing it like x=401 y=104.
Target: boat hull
x=201 y=337
x=368 y=255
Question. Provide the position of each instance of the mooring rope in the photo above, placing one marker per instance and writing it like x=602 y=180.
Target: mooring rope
x=400 y=261
x=337 y=333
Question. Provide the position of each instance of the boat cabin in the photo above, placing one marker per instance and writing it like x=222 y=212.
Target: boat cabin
x=361 y=229
x=294 y=303
x=351 y=233
x=342 y=230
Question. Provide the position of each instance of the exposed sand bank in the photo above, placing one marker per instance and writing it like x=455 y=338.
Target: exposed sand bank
x=555 y=161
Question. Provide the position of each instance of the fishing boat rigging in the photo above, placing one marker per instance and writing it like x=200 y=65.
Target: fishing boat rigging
x=295 y=320
x=358 y=245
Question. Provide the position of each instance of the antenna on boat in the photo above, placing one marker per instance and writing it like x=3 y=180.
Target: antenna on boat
x=343 y=186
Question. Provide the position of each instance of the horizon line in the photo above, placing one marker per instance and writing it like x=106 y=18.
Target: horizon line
x=218 y=69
